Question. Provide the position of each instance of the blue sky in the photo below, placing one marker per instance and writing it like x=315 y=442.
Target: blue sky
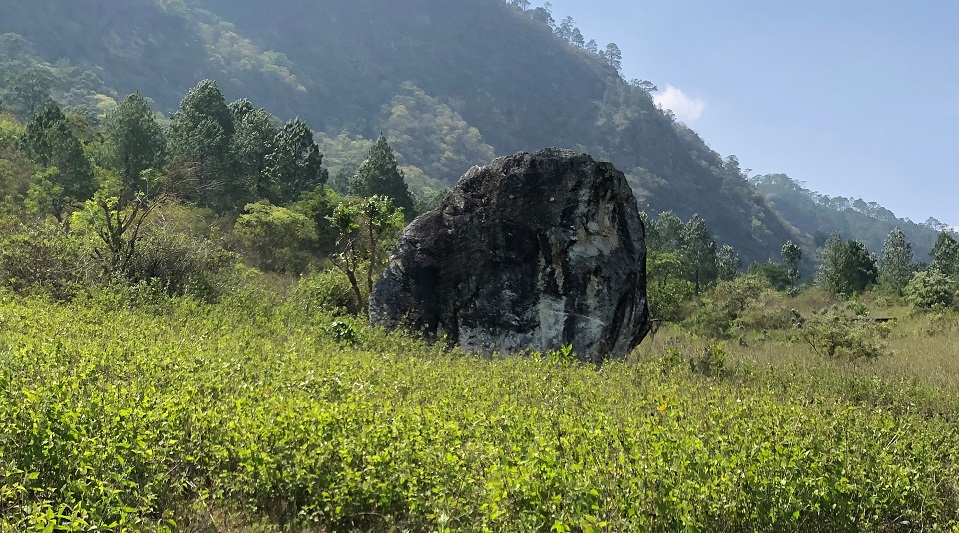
x=854 y=98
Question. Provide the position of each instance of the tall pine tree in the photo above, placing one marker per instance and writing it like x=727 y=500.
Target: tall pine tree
x=254 y=140
x=698 y=253
x=295 y=166
x=135 y=141
x=380 y=175
x=945 y=255
x=896 y=264
x=200 y=140
x=50 y=141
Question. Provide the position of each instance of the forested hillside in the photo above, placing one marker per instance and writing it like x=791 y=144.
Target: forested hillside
x=448 y=83
x=820 y=216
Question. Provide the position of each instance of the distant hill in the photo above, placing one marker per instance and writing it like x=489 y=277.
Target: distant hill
x=450 y=83
x=820 y=216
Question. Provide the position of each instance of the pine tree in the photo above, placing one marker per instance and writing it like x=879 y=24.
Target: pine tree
x=379 y=175
x=254 y=139
x=613 y=57
x=135 y=141
x=200 y=140
x=295 y=166
x=698 y=253
x=847 y=268
x=896 y=265
x=665 y=233
x=945 y=255
x=50 y=141
x=728 y=263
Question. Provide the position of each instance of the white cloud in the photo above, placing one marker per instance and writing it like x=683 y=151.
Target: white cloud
x=687 y=109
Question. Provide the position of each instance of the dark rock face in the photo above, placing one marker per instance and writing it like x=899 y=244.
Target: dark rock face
x=531 y=252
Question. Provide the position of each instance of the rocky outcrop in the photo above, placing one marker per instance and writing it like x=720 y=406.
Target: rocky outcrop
x=531 y=252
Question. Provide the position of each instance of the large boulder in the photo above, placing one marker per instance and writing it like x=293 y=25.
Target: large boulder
x=532 y=252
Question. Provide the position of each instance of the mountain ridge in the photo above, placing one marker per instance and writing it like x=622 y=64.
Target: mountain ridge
x=480 y=65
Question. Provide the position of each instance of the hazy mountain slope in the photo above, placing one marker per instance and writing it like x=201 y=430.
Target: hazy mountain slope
x=513 y=80
x=160 y=48
x=820 y=216
x=496 y=67
x=340 y=65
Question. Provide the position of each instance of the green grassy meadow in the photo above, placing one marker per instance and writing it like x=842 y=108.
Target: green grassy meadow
x=258 y=414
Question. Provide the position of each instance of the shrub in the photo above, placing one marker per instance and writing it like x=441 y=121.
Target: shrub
x=747 y=301
x=341 y=331
x=845 y=331
x=44 y=258
x=711 y=360
x=930 y=289
x=179 y=264
x=275 y=238
x=768 y=311
x=666 y=290
x=327 y=291
x=777 y=275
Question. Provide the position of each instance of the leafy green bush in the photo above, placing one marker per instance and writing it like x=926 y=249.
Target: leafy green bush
x=179 y=264
x=275 y=238
x=777 y=275
x=845 y=331
x=711 y=360
x=747 y=302
x=44 y=258
x=929 y=289
x=667 y=291
x=326 y=291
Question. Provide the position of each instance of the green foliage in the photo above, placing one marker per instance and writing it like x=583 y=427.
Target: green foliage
x=16 y=169
x=318 y=205
x=29 y=80
x=343 y=155
x=845 y=331
x=792 y=255
x=383 y=222
x=431 y=136
x=728 y=263
x=664 y=234
x=247 y=417
x=380 y=175
x=666 y=289
x=327 y=292
x=51 y=142
x=135 y=142
x=698 y=253
x=945 y=255
x=44 y=259
x=275 y=238
x=295 y=166
x=367 y=229
x=731 y=306
x=896 y=265
x=777 y=275
x=200 y=139
x=847 y=268
x=711 y=361
x=254 y=141
x=931 y=289
x=30 y=88
x=175 y=263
